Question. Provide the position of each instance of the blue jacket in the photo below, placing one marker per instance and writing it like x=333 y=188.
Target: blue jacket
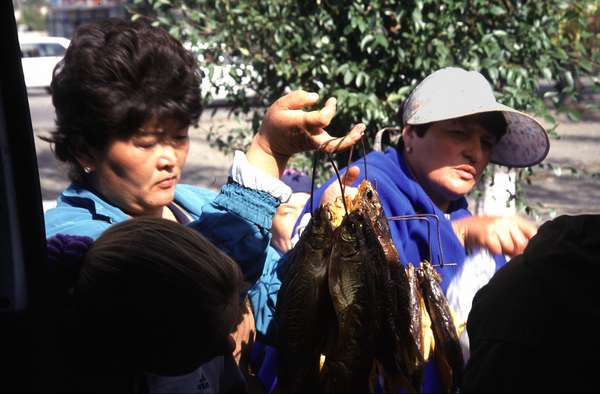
x=237 y=220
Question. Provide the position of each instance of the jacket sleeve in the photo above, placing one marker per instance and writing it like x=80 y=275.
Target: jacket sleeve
x=238 y=221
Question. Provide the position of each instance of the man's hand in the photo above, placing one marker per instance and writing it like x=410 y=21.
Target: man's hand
x=288 y=129
x=507 y=235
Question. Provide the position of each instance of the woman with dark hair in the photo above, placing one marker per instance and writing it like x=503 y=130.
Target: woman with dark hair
x=155 y=305
x=125 y=95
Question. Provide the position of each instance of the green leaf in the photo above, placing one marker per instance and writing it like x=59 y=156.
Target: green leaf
x=547 y=73
x=574 y=116
x=497 y=11
x=365 y=41
x=381 y=40
x=569 y=80
x=348 y=77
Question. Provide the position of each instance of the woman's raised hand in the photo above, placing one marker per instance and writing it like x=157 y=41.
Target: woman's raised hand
x=499 y=234
x=288 y=129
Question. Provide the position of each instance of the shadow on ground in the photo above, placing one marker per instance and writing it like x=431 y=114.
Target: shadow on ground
x=556 y=193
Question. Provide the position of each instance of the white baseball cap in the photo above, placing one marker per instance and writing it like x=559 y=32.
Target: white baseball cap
x=453 y=93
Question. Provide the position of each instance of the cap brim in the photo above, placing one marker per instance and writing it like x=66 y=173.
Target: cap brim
x=524 y=144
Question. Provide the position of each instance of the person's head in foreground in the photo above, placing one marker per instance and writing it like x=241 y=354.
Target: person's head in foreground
x=125 y=94
x=156 y=296
x=288 y=212
x=453 y=127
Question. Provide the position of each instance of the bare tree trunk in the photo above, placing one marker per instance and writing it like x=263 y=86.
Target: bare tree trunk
x=497 y=197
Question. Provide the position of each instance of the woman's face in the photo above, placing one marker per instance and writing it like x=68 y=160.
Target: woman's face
x=449 y=159
x=139 y=174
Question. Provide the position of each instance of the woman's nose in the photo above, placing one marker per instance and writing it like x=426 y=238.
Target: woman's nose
x=168 y=156
x=474 y=150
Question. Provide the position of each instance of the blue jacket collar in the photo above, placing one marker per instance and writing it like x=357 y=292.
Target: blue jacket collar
x=81 y=196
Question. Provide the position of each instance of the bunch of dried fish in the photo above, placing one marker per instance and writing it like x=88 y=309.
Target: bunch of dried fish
x=348 y=297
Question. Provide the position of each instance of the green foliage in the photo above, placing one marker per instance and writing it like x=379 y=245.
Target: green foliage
x=371 y=53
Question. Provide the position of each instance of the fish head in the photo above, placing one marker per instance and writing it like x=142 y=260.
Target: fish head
x=367 y=200
x=334 y=211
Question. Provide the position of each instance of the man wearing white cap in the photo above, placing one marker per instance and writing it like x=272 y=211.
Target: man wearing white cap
x=452 y=128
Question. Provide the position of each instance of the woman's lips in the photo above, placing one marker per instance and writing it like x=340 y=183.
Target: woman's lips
x=167 y=183
x=466 y=172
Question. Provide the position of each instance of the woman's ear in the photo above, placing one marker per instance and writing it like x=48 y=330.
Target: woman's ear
x=87 y=161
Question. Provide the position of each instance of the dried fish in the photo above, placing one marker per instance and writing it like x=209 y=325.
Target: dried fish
x=303 y=307
x=447 y=351
x=368 y=202
x=397 y=350
x=351 y=277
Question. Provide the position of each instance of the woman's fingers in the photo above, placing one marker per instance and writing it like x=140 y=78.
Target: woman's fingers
x=297 y=99
x=315 y=121
x=494 y=245
x=507 y=246
x=287 y=112
x=519 y=239
x=328 y=144
x=528 y=229
x=507 y=235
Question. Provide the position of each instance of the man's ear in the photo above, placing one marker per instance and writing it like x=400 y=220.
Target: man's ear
x=407 y=133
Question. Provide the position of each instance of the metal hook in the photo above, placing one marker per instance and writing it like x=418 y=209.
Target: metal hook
x=425 y=217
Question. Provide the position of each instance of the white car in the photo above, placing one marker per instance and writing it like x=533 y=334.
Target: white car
x=39 y=56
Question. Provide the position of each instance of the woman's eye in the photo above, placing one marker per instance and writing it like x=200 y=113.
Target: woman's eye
x=487 y=144
x=181 y=139
x=146 y=142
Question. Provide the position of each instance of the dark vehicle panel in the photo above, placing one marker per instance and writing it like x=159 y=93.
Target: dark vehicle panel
x=22 y=239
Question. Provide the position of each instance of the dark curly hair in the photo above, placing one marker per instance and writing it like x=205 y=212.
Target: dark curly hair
x=115 y=76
